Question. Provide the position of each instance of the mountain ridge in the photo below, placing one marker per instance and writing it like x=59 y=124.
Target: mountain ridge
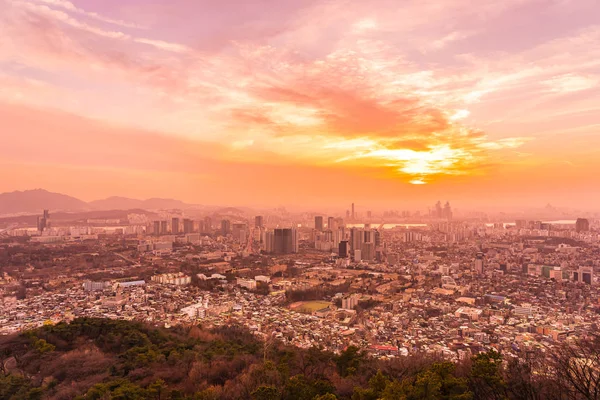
x=36 y=200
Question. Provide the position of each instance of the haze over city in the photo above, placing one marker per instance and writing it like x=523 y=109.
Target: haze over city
x=300 y=199
x=306 y=103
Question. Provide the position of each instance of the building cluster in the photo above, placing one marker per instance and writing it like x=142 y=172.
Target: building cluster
x=450 y=287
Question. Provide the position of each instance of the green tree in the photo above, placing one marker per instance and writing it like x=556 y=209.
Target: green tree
x=349 y=361
x=487 y=381
x=265 y=393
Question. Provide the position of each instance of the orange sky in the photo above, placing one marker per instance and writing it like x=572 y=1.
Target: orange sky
x=303 y=104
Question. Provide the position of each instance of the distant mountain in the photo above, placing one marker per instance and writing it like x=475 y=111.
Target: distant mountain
x=124 y=203
x=34 y=201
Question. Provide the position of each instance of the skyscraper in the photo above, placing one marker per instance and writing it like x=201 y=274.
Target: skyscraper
x=343 y=249
x=175 y=226
x=225 y=227
x=258 y=221
x=285 y=241
x=479 y=263
x=319 y=223
x=582 y=225
x=352 y=211
x=331 y=224
x=357 y=237
x=163 y=227
x=188 y=226
x=156 y=229
x=44 y=221
x=447 y=213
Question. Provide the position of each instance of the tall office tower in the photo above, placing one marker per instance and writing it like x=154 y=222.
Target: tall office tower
x=175 y=226
x=319 y=223
x=188 y=225
x=479 y=263
x=201 y=227
x=368 y=236
x=239 y=232
x=258 y=221
x=377 y=238
x=582 y=225
x=285 y=241
x=586 y=275
x=521 y=223
x=343 y=249
x=225 y=227
x=353 y=211
x=44 y=221
x=357 y=237
x=156 y=229
x=368 y=251
x=268 y=242
x=163 y=227
x=207 y=224
x=331 y=224
x=447 y=211
x=438 y=210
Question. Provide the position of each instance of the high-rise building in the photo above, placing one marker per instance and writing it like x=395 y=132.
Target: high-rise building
x=331 y=224
x=188 y=226
x=343 y=249
x=368 y=251
x=447 y=213
x=268 y=241
x=377 y=238
x=258 y=221
x=239 y=232
x=582 y=225
x=319 y=223
x=479 y=263
x=348 y=303
x=438 y=213
x=163 y=227
x=44 y=221
x=201 y=227
x=175 y=226
x=521 y=223
x=357 y=237
x=225 y=227
x=156 y=229
x=207 y=224
x=285 y=241
x=353 y=211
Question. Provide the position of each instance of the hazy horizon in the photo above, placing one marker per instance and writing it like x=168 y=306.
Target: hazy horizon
x=312 y=104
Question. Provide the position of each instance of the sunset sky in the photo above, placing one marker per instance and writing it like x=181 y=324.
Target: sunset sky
x=387 y=103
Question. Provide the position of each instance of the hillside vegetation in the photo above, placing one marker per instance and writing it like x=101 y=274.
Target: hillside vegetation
x=109 y=359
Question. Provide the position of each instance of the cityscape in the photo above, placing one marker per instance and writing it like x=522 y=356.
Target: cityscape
x=300 y=200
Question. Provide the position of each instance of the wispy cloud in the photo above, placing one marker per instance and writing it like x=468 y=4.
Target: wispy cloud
x=67 y=5
x=332 y=85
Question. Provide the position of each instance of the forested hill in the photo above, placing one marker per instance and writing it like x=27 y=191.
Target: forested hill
x=108 y=359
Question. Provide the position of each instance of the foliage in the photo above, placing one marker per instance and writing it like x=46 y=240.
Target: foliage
x=106 y=359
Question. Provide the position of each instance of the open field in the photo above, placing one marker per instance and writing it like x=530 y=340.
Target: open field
x=309 y=306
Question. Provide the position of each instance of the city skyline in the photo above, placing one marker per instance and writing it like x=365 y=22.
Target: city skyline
x=308 y=104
